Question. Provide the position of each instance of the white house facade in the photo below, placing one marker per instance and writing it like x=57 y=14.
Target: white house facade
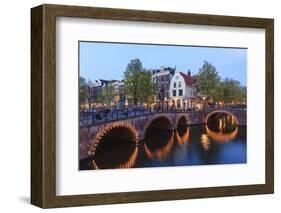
x=183 y=91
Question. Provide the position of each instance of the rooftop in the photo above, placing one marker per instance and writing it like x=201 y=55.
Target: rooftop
x=189 y=80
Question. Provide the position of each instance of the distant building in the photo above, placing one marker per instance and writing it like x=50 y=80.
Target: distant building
x=95 y=89
x=122 y=96
x=162 y=78
x=119 y=93
x=118 y=90
x=183 y=90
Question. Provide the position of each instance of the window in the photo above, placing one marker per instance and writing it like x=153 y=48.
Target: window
x=180 y=84
x=174 y=92
x=175 y=84
x=180 y=92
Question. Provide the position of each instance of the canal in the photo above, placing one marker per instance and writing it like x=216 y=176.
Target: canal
x=220 y=141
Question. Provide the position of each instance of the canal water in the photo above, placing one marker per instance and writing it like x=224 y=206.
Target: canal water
x=221 y=141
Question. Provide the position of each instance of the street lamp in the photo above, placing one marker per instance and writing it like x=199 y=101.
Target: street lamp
x=161 y=96
x=204 y=98
x=165 y=100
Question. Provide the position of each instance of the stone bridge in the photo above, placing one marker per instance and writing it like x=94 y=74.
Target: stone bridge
x=135 y=128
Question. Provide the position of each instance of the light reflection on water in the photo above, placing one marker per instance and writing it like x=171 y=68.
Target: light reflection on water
x=221 y=141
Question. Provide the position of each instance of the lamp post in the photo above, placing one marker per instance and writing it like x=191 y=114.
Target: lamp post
x=161 y=96
x=204 y=98
x=165 y=101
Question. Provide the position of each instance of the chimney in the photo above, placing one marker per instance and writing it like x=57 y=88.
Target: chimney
x=188 y=73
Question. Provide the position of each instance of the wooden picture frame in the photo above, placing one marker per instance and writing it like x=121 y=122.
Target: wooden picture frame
x=43 y=105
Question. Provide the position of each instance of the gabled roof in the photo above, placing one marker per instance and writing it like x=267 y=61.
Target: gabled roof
x=189 y=80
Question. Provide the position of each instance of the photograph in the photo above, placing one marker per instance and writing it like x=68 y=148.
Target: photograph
x=161 y=105
x=149 y=104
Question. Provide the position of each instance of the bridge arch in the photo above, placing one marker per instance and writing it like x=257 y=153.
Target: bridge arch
x=181 y=120
x=120 y=129
x=158 y=121
x=220 y=111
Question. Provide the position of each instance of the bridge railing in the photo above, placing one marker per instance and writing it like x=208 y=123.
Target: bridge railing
x=98 y=117
x=95 y=117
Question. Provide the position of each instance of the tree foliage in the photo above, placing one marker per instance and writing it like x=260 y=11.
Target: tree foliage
x=210 y=85
x=83 y=90
x=208 y=81
x=233 y=91
x=147 y=88
x=106 y=95
x=138 y=85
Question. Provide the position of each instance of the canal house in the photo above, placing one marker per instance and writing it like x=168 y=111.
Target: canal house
x=183 y=91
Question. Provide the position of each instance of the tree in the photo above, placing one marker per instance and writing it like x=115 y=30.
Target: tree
x=146 y=87
x=208 y=81
x=132 y=79
x=106 y=96
x=138 y=85
x=83 y=90
x=232 y=91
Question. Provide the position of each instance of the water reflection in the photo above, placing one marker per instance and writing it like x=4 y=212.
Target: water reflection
x=115 y=153
x=128 y=164
x=220 y=136
x=155 y=149
x=221 y=141
x=205 y=141
x=222 y=129
x=182 y=135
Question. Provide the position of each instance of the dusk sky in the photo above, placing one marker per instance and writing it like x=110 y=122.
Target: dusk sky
x=109 y=60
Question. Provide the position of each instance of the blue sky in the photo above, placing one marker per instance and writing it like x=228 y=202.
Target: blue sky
x=109 y=60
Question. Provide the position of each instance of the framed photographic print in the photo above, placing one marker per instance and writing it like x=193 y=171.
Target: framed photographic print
x=135 y=106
